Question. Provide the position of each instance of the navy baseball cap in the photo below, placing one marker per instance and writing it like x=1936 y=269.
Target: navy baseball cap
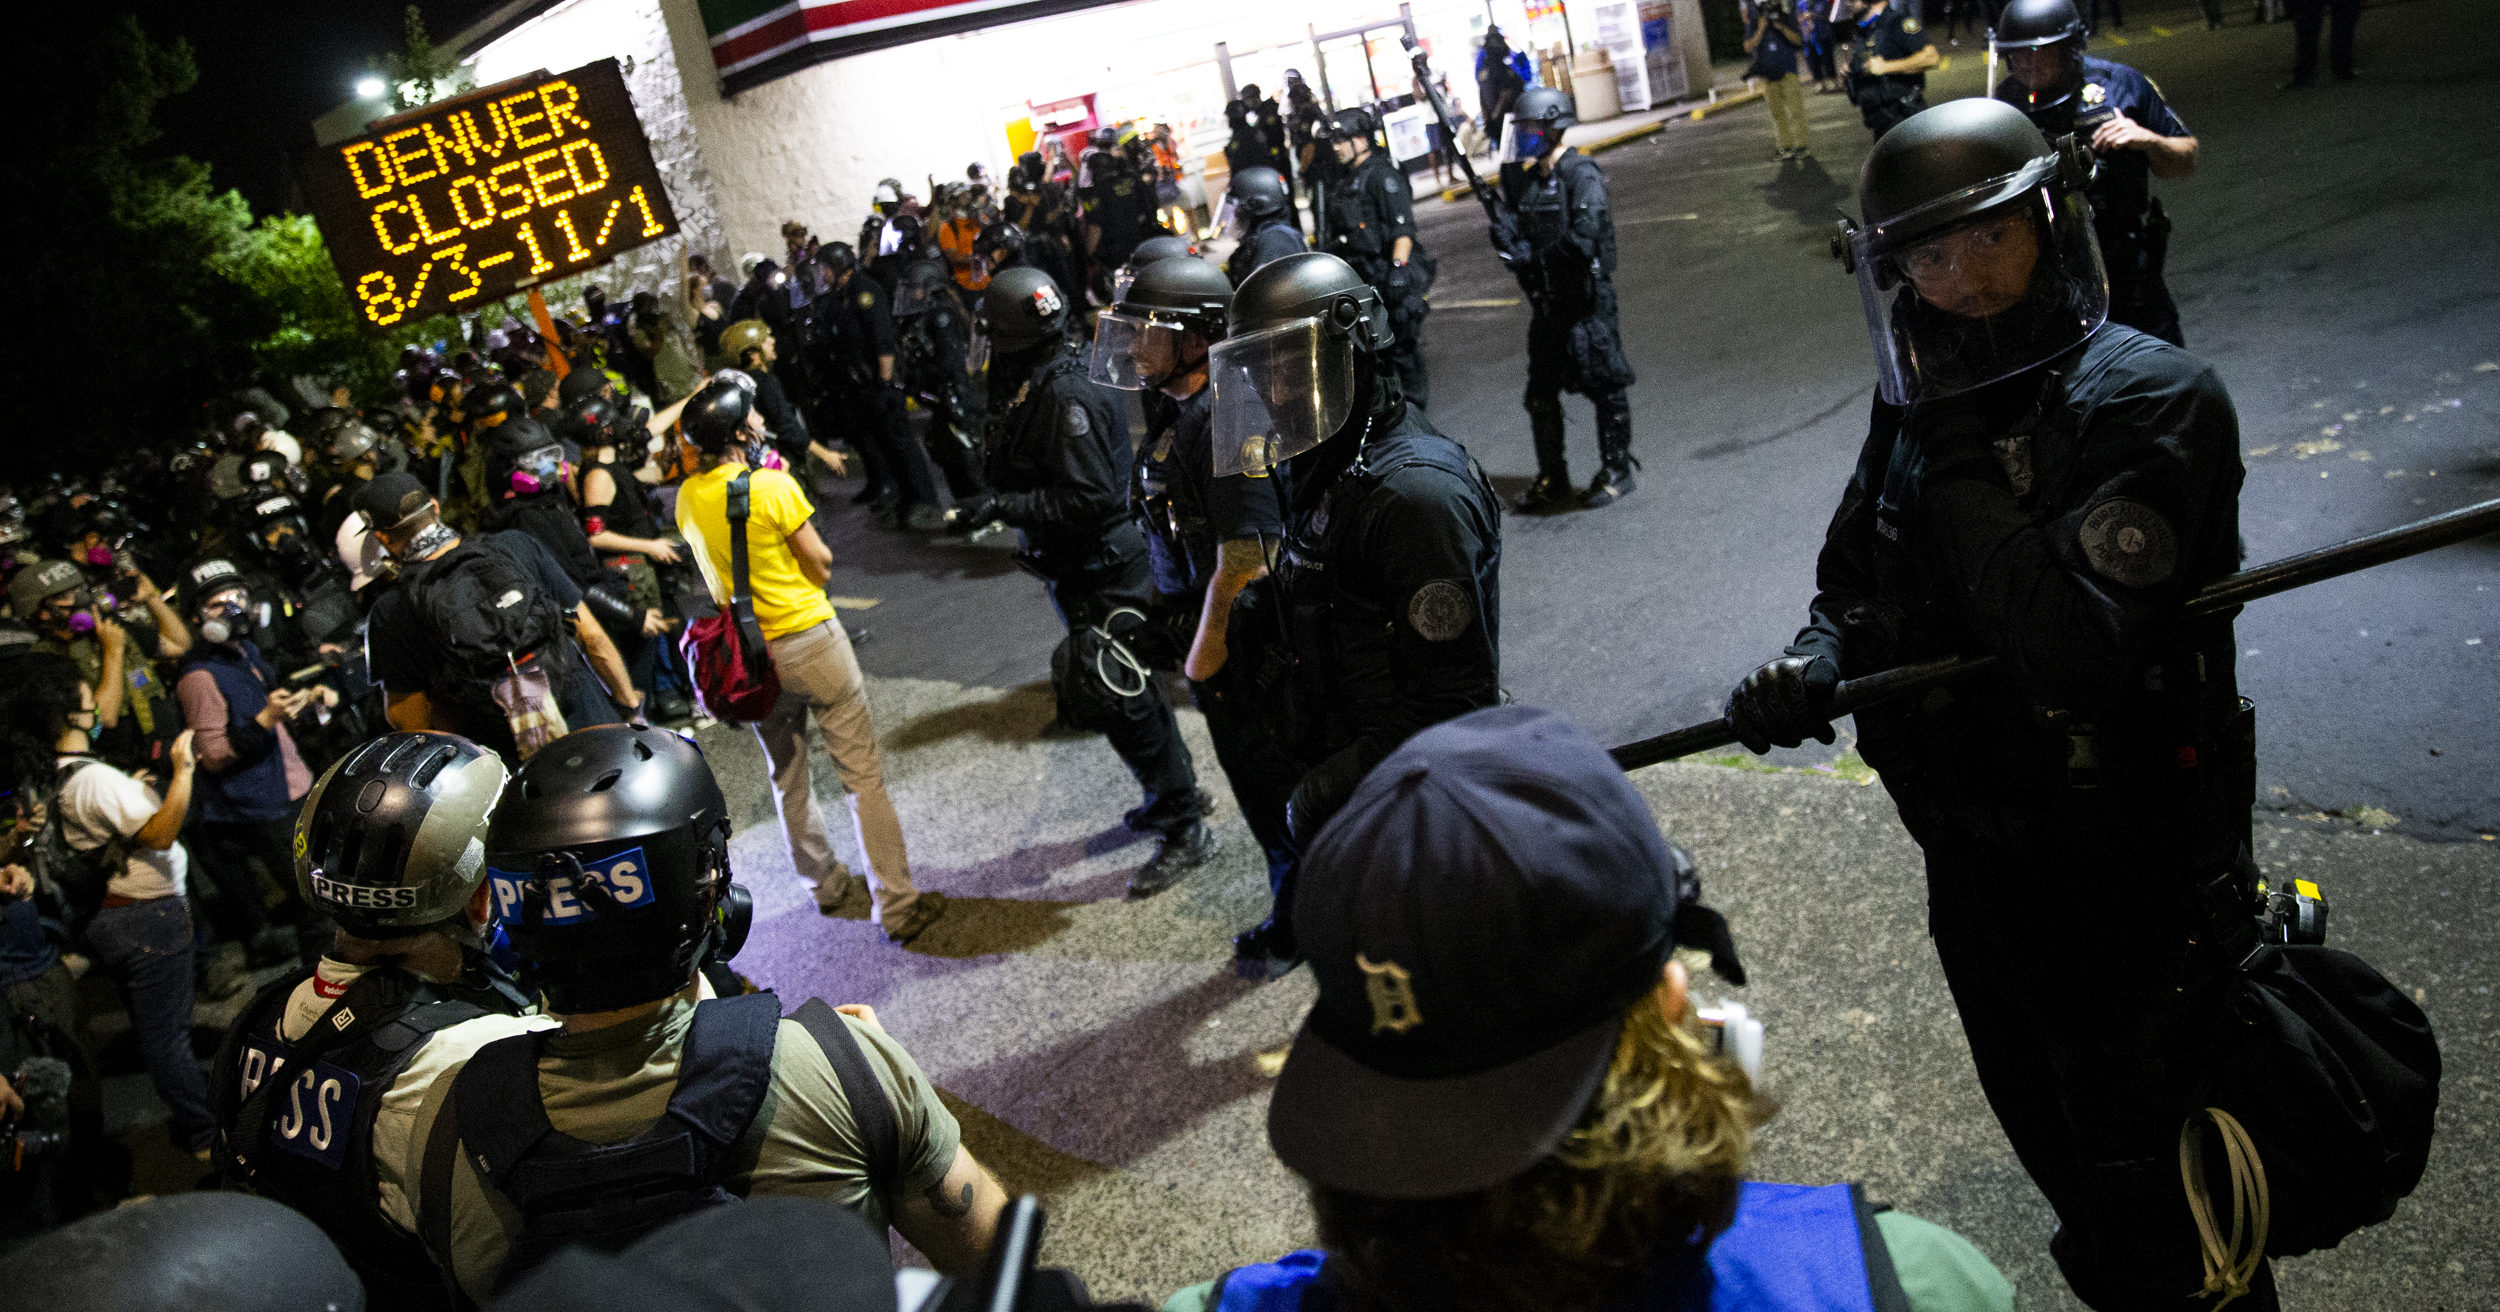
x=391 y=497
x=1479 y=917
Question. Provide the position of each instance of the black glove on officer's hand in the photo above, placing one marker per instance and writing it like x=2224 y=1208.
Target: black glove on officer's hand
x=1321 y=794
x=1784 y=703
x=968 y=516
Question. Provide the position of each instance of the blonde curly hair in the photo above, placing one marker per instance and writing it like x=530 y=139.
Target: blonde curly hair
x=1655 y=1159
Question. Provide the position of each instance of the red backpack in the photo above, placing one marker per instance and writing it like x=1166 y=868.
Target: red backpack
x=734 y=678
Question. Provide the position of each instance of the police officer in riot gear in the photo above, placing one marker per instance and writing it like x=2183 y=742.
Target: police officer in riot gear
x=1390 y=573
x=851 y=331
x=2047 y=487
x=1206 y=537
x=2133 y=133
x=1889 y=58
x=1557 y=234
x=1059 y=456
x=1371 y=226
x=1150 y=251
x=309 y=1088
x=607 y=865
x=1258 y=215
x=936 y=365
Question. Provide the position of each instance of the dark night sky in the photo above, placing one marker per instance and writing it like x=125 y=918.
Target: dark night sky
x=267 y=68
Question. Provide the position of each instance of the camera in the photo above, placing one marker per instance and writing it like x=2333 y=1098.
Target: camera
x=43 y=1083
x=2293 y=916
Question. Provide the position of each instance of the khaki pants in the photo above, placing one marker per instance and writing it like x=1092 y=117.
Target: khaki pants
x=820 y=678
x=1788 y=112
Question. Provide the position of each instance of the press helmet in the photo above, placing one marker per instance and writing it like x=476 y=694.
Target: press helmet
x=609 y=861
x=392 y=839
x=1023 y=309
x=717 y=415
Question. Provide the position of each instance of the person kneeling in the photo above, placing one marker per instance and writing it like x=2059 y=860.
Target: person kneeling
x=1503 y=1098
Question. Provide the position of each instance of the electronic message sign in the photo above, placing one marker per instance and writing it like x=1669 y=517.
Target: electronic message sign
x=469 y=200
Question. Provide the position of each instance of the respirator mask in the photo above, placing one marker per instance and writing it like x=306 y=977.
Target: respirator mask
x=536 y=471
x=222 y=617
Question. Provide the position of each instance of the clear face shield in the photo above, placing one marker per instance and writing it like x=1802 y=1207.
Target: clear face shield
x=1229 y=222
x=1526 y=143
x=1954 y=303
x=1134 y=352
x=1278 y=393
x=909 y=299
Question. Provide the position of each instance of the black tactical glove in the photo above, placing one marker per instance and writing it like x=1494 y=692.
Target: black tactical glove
x=1784 y=703
x=970 y=516
x=1504 y=232
x=1321 y=794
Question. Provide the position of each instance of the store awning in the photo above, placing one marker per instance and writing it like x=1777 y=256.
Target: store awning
x=755 y=41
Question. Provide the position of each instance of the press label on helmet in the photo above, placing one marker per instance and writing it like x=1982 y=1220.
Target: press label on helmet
x=622 y=874
x=364 y=897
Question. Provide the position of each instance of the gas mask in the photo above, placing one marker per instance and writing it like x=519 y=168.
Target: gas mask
x=98 y=556
x=536 y=471
x=223 y=618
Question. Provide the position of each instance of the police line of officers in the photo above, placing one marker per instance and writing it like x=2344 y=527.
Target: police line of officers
x=2039 y=482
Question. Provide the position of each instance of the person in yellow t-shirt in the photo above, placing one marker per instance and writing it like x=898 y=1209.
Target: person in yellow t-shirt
x=787 y=568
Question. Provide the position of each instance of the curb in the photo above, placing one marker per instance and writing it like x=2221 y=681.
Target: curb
x=1697 y=114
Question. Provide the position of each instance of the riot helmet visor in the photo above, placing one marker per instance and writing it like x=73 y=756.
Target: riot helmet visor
x=1134 y=351
x=1230 y=222
x=1524 y=141
x=1958 y=297
x=1278 y=392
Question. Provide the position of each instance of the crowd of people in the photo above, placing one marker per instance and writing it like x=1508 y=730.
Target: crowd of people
x=403 y=723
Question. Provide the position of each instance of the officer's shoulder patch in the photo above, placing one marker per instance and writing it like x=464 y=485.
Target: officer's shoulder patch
x=2129 y=543
x=1076 y=424
x=1910 y=25
x=1440 y=610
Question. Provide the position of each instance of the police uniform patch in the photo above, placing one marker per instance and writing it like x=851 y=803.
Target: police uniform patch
x=1440 y=610
x=867 y=299
x=1076 y=424
x=2129 y=543
x=1910 y=25
x=2093 y=93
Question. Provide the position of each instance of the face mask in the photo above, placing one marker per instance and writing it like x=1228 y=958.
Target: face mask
x=538 y=471
x=81 y=623
x=222 y=622
x=99 y=555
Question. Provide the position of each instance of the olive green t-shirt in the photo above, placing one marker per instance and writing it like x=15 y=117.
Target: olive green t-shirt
x=610 y=1084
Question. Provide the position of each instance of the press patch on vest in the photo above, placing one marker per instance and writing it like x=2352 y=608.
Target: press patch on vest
x=2129 y=543
x=1440 y=610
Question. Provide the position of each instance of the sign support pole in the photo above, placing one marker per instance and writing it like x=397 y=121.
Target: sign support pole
x=556 y=363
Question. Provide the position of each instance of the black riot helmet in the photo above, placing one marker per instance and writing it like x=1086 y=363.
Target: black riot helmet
x=608 y=858
x=919 y=285
x=1351 y=125
x=1977 y=259
x=279 y=530
x=1536 y=125
x=1138 y=341
x=2053 y=28
x=716 y=416
x=392 y=839
x=1149 y=251
x=2024 y=24
x=1285 y=377
x=589 y=422
x=1003 y=244
x=484 y=407
x=213 y=1248
x=1023 y=309
x=1257 y=195
x=836 y=258
x=217 y=598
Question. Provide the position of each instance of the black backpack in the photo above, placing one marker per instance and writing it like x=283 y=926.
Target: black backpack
x=81 y=876
x=487 y=616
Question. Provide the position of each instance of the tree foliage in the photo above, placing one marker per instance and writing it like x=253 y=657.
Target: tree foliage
x=144 y=286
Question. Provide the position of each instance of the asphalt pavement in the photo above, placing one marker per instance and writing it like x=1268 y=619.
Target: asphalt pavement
x=2333 y=260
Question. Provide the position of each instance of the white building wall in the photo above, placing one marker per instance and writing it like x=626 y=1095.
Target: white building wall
x=811 y=146
x=634 y=33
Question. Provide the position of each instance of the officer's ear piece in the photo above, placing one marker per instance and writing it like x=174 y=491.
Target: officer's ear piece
x=1844 y=243
x=2075 y=163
